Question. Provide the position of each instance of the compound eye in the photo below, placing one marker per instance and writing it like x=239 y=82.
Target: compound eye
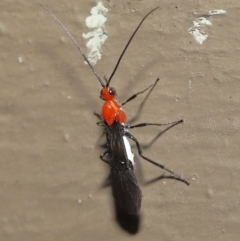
x=112 y=91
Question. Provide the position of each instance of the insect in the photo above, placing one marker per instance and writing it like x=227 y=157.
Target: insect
x=118 y=154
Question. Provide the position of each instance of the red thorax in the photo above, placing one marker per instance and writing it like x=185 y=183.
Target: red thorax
x=111 y=109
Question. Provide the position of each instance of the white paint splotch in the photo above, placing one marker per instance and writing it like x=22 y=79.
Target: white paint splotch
x=130 y=155
x=199 y=30
x=97 y=36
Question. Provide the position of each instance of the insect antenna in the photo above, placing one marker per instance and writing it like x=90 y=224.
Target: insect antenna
x=74 y=41
x=129 y=41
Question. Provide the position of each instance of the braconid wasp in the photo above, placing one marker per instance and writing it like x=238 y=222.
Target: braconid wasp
x=118 y=154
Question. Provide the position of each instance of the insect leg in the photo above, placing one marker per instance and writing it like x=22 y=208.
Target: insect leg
x=103 y=154
x=140 y=92
x=99 y=123
x=140 y=152
x=98 y=115
x=155 y=124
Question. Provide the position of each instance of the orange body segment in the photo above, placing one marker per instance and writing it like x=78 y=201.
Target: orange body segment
x=111 y=111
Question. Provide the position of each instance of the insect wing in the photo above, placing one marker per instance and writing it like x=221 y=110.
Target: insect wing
x=126 y=191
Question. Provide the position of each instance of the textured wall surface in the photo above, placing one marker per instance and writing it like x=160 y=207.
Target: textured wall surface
x=51 y=176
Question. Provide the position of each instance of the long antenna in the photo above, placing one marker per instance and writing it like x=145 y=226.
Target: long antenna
x=74 y=41
x=129 y=41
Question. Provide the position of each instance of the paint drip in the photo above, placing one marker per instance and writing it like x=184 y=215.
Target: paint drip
x=198 y=30
x=97 y=36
